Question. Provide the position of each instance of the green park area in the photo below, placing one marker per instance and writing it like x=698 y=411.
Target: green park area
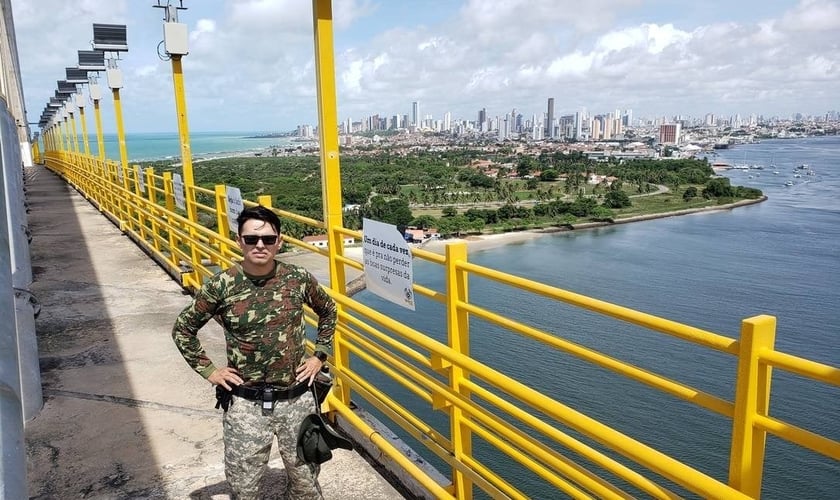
x=470 y=192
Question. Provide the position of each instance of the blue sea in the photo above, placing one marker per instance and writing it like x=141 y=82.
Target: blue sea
x=710 y=270
x=166 y=146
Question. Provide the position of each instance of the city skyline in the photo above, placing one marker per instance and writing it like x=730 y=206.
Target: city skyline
x=250 y=63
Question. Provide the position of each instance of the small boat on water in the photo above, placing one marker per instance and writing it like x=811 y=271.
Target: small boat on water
x=789 y=183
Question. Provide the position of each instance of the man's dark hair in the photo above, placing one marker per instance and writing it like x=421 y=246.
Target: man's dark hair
x=259 y=213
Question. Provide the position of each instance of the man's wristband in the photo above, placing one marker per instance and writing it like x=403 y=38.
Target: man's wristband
x=321 y=355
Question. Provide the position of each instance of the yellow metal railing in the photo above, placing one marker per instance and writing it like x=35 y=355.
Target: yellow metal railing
x=561 y=446
x=526 y=426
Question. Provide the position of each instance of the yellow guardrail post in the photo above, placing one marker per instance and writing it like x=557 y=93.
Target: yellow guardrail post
x=752 y=397
x=458 y=328
x=139 y=187
x=168 y=192
x=220 y=193
x=36 y=152
x=151 y=193
x=264 y=200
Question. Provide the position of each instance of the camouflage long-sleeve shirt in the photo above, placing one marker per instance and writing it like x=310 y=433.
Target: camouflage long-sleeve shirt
x=263 y=320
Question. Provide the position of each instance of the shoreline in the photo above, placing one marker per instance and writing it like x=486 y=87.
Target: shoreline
x=481 y=242
x=319 y=266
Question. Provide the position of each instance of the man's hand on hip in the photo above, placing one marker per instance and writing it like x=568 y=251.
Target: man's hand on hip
x=225 y=377
x=309 y=369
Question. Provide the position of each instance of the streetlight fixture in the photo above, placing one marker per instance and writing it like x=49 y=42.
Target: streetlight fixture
x=79 y=77
x=111 y=38
x=68 y=89
x=92 y=62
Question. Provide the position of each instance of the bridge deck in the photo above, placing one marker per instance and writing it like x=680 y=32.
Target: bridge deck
x=124 y=417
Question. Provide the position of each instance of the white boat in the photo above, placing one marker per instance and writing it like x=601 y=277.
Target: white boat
x=789 y=183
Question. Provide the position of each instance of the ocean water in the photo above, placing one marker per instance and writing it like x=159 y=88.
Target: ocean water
x=710 y=270
x=164 y=146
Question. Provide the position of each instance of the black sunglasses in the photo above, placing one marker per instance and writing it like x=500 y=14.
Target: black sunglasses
x=252 y=239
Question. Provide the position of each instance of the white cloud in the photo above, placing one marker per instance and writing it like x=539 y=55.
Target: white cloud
x=251 y=62
x=811 y=16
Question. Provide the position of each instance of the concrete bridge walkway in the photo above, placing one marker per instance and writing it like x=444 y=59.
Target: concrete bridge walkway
x=124 y=417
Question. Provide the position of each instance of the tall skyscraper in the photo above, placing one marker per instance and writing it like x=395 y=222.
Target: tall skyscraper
x=549 y=133
x=415 y=113
x=447 y=121
x=482 y=118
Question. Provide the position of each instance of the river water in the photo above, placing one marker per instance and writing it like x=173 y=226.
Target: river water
x=709 y=270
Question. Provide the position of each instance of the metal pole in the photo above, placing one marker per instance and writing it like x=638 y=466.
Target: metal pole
x=184 y=135
x=121 y=136
x=73 y=132
x=328 y=135
x=84 y=130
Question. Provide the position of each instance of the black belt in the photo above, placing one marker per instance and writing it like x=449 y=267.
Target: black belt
x=256 y=392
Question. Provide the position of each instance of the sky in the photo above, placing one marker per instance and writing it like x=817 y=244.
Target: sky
x=251 y=67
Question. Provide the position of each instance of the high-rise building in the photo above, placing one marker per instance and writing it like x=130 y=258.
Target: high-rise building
x=415 y=113
x=669 y=133
x=607 y=126
x=550 y=119
x=447 y=121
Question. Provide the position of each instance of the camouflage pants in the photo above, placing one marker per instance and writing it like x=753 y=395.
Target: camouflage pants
x=248 y=436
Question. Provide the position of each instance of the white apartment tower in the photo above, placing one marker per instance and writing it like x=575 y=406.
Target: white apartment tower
x=415 y=113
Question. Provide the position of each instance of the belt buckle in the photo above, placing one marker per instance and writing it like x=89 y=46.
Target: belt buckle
x=267 y=394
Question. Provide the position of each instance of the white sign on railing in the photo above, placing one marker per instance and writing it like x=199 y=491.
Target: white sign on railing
x=141 y=178
x=234 y=206
x=388 y=264
x=178 y=187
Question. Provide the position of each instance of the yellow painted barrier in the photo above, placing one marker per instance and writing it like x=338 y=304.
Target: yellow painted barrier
x=576 y=454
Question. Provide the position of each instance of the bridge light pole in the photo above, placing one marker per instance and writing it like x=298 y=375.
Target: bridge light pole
x=67 y=90
x=79 y=78
x=94 y=61
x=112 y=38
x=175 y=38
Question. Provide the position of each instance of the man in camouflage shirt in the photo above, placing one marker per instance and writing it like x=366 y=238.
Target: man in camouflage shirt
x=260 y=305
